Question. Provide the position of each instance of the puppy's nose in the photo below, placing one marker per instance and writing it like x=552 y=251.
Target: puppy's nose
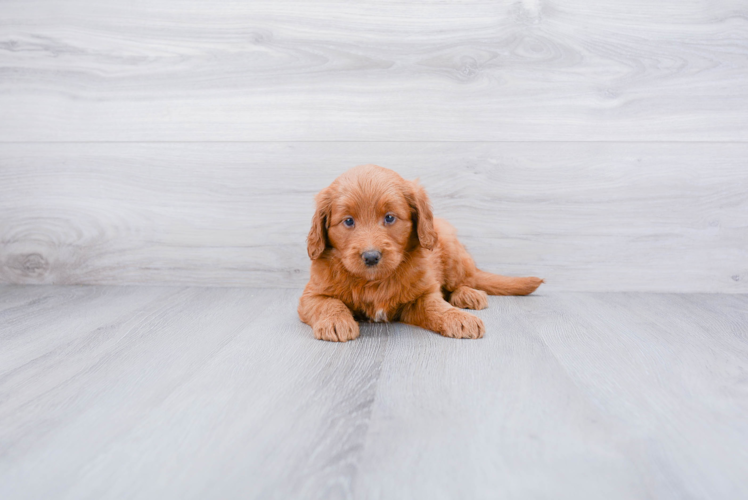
x=371 y=257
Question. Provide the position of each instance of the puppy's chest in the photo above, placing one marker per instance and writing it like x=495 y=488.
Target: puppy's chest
x=375 y=313
x=373 y=305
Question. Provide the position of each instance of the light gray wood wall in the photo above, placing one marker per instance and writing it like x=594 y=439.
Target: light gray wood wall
x=598 y=144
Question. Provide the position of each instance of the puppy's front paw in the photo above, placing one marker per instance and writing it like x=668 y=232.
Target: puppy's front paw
x=336 y=329
x=461 y=325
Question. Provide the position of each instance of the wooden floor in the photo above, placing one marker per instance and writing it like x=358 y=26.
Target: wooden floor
x=144 y=392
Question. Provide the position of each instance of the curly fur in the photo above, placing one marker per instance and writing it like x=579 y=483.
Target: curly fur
x=423 y=277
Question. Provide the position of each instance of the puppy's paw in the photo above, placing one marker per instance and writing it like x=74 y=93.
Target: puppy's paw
x=469 y=298
x=461 y=325
x=339 y=328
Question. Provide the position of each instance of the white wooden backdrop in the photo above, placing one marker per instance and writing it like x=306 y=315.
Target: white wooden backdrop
x=600 y=144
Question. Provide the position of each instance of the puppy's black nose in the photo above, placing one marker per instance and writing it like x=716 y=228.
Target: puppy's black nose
x=371 y=258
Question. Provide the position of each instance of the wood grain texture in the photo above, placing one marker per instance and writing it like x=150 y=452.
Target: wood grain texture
x=152 y=392
x=171 y=70
x=585 y=216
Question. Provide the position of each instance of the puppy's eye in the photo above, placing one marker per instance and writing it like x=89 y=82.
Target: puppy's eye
x=389 y=219
x=348 y=222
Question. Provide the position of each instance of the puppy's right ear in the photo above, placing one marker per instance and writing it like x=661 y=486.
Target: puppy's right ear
x=316 y=241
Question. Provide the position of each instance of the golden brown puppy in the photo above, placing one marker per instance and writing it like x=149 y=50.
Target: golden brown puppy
x=378 y=254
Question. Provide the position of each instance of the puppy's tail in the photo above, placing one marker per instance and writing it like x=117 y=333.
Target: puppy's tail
x=494 y=284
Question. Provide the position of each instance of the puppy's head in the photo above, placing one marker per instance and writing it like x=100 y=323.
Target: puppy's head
x=372 y=218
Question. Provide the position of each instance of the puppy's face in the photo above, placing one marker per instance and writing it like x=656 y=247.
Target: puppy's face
x=372 y=217
x=370 y=230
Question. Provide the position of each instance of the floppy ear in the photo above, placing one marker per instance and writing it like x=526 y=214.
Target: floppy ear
x=316 y=241
x=423 y=218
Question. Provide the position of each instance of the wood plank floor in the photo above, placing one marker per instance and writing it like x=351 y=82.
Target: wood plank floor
x=145 y=392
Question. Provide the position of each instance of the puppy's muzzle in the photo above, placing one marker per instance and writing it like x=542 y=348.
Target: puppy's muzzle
x=371 y=257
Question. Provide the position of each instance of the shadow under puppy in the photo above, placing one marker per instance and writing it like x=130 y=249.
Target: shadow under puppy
x=379 y=254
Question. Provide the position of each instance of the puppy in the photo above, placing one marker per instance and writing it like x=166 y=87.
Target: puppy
x=378 y=254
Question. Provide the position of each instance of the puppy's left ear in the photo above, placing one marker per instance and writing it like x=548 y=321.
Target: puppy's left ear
x=316 y=241
x=423 y=217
